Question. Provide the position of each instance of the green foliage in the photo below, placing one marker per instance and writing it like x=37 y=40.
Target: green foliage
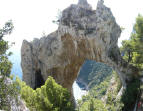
x=92 y=105
x=92 y=101
x=5 y=69
x=5 y=91
x=132 y=48
x=93 y=73
x=50 y=97
x=112 y=103
x=130 y=95
x=133 y=54
x=98 y=91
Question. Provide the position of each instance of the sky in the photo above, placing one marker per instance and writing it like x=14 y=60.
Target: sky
x=32 y=18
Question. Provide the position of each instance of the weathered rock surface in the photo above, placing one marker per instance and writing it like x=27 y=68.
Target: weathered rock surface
x=15 y=104
x=83 y=34
x=18 y=106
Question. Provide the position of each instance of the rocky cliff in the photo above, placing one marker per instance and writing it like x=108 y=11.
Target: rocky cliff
x=83 y=34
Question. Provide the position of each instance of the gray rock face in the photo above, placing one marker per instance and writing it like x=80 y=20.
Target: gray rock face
x=84 y=4
x=83 y=34
x=20 y=106
x=15 y=104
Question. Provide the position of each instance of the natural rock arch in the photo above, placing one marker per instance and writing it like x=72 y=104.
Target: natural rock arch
x=83 y=34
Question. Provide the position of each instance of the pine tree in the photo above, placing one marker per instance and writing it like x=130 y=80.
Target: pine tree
x=50 y=97
x=132 y=48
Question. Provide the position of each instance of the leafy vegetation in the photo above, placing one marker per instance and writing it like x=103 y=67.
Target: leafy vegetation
x=98 y=91
x=132 y=52
x=112 y=102
x=93 y=99
x=130 y=95
x=100 y=98
x=7 y=91
x=50 y=97
x=132 y=49
x=93 y=73
x=91 y=105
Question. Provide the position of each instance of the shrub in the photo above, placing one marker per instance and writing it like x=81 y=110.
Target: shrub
x=50 y=97
x=130 y=95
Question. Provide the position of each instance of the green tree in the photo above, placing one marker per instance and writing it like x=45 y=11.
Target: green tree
x=92 y=101
x=131 y=95
x=132 y=48
x=92 y=105
x=50 y=97
x=5 y=69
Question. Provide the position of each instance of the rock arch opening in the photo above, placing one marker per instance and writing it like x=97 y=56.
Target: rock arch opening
x=66 y=49
x=92 y=73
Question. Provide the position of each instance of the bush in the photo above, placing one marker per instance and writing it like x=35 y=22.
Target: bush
x=50 y=97
x=7 y=91
x=130 y=95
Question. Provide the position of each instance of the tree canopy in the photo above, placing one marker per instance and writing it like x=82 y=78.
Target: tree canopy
x=132 y=48
x=6 y=90
x=50 y=97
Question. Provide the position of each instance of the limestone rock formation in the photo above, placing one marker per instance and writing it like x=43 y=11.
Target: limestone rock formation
x=83 y=34
x=84 y=4
x=20 y=106
x=15 y=104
